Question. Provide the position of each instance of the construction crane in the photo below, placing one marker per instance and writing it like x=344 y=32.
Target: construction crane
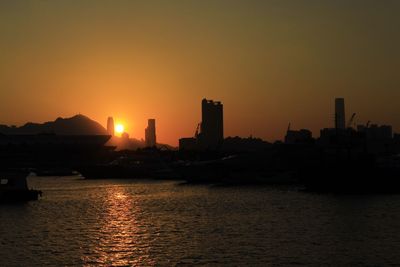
x=350 y=122
x=196 y=133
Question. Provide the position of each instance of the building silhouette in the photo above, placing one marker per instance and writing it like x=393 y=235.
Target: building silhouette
x=376 y=132
x=339 y=135
x=188 y=143
x=110 y=126
x=211 y=134
x=125 y=136
x=150 y=133
x=340 y=118
x=212 y=125
x=302 y=136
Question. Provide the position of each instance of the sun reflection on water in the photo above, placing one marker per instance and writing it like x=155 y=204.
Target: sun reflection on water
x=120 y=238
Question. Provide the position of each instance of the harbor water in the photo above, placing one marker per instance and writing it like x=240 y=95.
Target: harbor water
x=146 y=223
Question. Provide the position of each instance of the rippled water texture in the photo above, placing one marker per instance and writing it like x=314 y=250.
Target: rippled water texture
x=128 y=223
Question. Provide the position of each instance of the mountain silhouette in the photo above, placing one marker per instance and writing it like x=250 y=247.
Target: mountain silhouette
x=76 y=125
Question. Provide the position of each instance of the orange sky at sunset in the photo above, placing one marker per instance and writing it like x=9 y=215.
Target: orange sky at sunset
x=269 y=62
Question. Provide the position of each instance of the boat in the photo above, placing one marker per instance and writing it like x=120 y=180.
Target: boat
x=232 y=170
x=352 y=177
x=14 y=187
x=128 y=168
x=54 y=171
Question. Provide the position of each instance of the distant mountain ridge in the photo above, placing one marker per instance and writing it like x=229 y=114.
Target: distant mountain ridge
x=76 y=125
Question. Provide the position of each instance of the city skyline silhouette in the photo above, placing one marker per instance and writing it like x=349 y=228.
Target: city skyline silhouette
x=195 y=132
x=271 y=63
x=80 y=124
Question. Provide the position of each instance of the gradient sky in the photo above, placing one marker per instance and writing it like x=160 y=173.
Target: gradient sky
x=269 y=62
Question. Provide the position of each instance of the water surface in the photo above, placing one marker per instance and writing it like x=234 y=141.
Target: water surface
x=145 y=223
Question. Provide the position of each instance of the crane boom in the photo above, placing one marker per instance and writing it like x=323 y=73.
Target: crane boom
x=196 y=133
x=350 y=122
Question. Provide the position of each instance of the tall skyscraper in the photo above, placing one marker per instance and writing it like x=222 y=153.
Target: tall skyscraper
x=340 y=118
x=150 y=133
x=212 y=124
x=110 y=126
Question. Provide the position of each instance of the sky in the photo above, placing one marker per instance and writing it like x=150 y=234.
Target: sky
x=269 y=62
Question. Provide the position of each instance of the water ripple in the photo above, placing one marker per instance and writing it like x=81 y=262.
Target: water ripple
x=131 y=223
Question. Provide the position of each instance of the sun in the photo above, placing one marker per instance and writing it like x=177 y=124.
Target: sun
x=119 y=128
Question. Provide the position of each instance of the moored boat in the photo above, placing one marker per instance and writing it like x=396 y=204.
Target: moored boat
x=14 y=187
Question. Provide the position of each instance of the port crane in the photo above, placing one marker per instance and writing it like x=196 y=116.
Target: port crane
x=196 y=133
x=350 y=122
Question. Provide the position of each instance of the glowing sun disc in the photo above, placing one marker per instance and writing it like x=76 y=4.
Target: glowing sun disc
x=119 y=128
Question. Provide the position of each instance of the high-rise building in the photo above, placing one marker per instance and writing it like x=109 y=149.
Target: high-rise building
x=302 y=136
x=376 y=132
x=150 y=133
x=212 y=124
x=110 y=126
x=340 y=118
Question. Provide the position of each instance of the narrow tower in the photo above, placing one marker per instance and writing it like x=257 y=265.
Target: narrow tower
x=150 y=133
x=340 y=118
x=110 y=126
x=212 y=124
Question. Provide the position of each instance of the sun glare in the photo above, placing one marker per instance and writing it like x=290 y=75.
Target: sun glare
x=119 y=128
